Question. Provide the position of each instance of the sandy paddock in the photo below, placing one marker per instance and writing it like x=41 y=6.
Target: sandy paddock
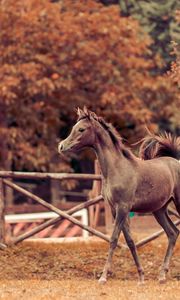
x=38 y=271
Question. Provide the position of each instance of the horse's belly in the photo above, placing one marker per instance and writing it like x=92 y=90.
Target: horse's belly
x=148 y=206
x=151 y=200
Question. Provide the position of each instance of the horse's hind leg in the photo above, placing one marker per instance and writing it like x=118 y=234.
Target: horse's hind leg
x=172 y=233
x=132 y=247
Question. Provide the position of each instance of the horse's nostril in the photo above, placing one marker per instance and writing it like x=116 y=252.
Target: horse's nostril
x=60 y=147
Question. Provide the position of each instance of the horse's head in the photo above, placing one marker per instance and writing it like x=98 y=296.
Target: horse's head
x=82 y=134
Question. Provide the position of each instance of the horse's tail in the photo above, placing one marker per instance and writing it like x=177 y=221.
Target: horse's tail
x=160 y=145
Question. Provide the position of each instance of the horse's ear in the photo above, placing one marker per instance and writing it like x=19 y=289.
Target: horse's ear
x=87 y=112
x=84 y=113
x=79 y=112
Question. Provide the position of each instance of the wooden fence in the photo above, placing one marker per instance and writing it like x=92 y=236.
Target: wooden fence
x=6 y=179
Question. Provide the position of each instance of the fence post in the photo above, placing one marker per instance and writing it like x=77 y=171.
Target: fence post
x=2 y=212
x=54 y=187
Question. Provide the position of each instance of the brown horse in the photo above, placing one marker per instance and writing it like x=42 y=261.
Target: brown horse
x=130 y=183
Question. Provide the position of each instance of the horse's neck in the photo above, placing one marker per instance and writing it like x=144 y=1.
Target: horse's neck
x=108 y=157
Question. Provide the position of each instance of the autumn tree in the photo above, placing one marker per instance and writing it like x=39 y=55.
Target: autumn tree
x=175 y=67
x=57 y=56
x=174 y=73
x=158 y=20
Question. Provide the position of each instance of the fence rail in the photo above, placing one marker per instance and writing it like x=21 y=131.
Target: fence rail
x=60 y=176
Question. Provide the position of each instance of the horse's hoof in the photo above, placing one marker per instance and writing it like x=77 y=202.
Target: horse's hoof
x=2 y=246
x=102 y=280
x=141 y=282
x=162 y=280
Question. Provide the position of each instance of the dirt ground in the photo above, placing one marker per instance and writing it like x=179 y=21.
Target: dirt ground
x=41 y=271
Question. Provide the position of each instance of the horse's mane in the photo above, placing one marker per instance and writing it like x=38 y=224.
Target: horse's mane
x=153 y=146
x=114 y=135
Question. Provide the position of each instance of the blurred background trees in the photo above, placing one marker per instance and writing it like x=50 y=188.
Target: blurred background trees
x=57 y=55
x=157 y=19
x=175 y=66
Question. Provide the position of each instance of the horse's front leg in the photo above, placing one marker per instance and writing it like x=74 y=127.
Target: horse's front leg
x=120 y=217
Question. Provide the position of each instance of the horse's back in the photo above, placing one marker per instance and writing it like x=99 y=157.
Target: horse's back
x=167 y=165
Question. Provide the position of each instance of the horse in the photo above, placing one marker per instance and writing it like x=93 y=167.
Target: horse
x=130 y=183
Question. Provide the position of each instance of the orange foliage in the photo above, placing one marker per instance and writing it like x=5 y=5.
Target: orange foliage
x=175 y=67
x=57 y=56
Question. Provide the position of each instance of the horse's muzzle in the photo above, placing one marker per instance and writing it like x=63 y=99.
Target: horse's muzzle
x=68 y=148
x=62 y=148
x=63 y=152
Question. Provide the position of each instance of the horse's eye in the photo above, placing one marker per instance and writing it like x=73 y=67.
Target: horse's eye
x=81 y=129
